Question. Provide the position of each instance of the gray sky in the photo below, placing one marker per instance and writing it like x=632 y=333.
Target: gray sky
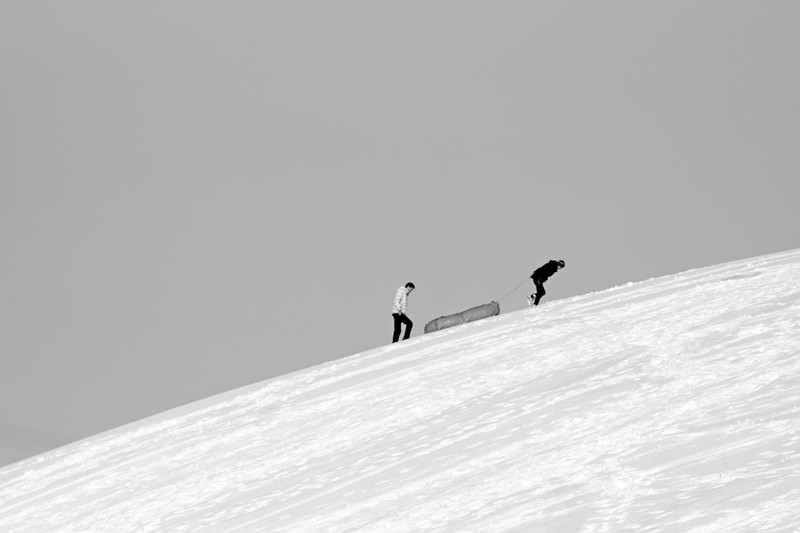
x=195 y=196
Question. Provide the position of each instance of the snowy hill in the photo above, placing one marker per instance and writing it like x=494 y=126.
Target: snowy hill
x=671 y=404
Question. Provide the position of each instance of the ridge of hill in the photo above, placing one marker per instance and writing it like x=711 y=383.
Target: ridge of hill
x=673 y=403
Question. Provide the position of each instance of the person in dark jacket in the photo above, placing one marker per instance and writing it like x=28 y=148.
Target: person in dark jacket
x=542 y=274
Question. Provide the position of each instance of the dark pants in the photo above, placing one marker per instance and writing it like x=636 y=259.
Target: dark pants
x=400 y=318
x=539 y=290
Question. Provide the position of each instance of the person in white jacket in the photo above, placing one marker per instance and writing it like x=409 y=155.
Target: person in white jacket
x=399 y=311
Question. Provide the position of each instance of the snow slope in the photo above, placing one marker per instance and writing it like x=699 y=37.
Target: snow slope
x=671 y=404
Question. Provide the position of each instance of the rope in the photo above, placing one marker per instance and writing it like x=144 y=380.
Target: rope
x=514 y=289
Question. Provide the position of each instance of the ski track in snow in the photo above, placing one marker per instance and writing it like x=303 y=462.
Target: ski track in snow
x=670 y=404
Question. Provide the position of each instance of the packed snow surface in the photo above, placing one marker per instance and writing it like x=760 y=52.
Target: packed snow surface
x=671 y=404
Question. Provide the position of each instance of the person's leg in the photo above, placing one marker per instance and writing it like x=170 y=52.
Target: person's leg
x=539 y=290
x=397 y=321
x=409 y=324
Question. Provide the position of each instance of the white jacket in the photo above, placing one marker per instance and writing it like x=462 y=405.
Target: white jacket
x=400 y=300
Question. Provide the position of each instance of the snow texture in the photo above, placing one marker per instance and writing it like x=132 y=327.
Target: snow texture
x=667 y=405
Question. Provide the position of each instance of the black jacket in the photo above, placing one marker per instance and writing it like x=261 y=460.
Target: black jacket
x=545 y=271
